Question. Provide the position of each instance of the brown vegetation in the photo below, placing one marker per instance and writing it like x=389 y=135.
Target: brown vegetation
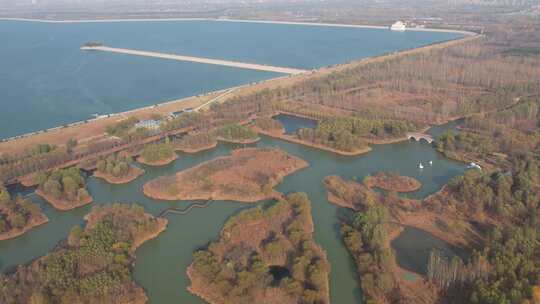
x=429 y=214
x=392 y=182
x=18 y=215
x=479 y=209
x=276 y=260
x=94 y=265
x=117 y=169
x=132 y=175
x=157 y=154
x=196 y=142
x=64 y=189
x=247 y=175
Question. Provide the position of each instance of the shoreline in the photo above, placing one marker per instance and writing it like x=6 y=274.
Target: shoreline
x=259 y=21
x=196 y=150
x=14 y=234
x=195 y=192
x=61 y=204
x=294 y=140
x=159 y=163
x=239 y=141
x=135 y=173
x=73 y=129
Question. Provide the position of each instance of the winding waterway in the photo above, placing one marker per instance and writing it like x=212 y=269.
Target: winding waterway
x=47 y=81
x=161 y=263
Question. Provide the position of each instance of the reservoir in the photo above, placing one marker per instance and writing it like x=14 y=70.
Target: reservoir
x=47 y=81
x=161 y=263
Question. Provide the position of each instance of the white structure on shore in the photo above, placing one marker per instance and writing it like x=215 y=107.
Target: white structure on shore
x=474 y=166
x=398 y=26
x=150 y=124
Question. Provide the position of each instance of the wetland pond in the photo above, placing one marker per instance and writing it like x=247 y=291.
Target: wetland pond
x=161 y=263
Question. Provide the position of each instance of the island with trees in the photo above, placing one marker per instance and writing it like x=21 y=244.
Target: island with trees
x=275 y=261
x=368 y=232
x=268 y=124
x=247 y=175
x=18 y=215
x=490 y=138
x=340 y=134
x=157 y=154
x=238 y=134
x=117 y=169
x=65 y=189
x=196 y=142
x=392 y=181
x=491 y=212
x=94 y=264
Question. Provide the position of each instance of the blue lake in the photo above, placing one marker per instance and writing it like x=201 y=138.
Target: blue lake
x=46 y=80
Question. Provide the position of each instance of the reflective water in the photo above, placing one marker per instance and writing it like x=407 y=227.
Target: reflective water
x=161 y=263
x=46 y=80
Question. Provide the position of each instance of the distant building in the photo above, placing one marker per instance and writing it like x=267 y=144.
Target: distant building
x=398 y=26
x=150 y=124
x=176 y=114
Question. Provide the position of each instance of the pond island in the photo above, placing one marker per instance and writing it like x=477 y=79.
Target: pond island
x=275 y=261
x=93 y=265
x=247 y=175
x=18 y=215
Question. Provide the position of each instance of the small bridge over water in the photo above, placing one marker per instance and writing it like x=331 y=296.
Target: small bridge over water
x=420 y=136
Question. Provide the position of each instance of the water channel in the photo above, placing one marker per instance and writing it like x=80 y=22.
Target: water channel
x=161 y=263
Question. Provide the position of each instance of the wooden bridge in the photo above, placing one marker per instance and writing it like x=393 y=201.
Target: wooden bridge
x=420 y=136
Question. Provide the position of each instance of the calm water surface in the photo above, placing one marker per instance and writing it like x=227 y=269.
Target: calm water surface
x=46 y=81
x=292 y=124
x=161 y=263
x=414 y=247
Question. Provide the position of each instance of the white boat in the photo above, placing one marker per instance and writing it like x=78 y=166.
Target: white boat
x=420 y=166
x=431 y=163
x=474 y=166
x=398 y=26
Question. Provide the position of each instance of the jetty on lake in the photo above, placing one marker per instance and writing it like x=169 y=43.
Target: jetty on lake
x=234 y=64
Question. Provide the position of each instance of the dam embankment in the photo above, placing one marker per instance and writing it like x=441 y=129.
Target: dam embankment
x=234 y=64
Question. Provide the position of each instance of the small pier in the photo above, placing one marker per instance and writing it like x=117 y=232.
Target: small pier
x=234 y=64
x=420 y=136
